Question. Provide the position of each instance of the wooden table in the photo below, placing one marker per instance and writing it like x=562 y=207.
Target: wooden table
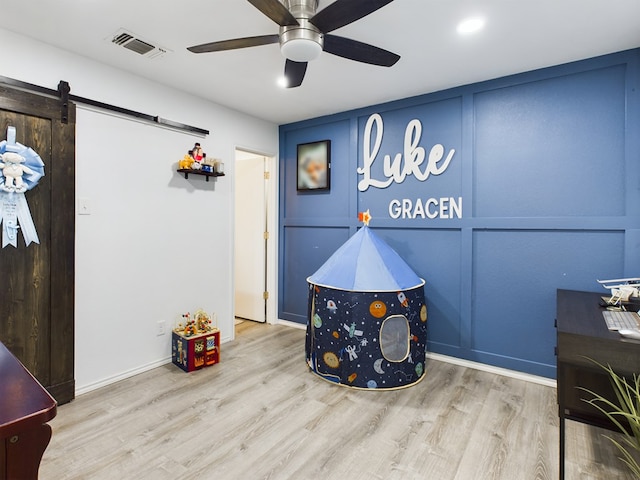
x=25 y=409
x=582 y=337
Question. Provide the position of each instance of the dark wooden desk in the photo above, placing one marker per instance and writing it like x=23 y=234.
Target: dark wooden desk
x=583 y=335
x=25 y=409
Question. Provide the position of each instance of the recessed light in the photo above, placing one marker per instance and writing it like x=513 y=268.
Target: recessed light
x=282 y=82
x=470 y=25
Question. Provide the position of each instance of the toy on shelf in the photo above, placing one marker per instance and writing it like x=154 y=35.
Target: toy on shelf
x=195 y=161
x=186 y=161
x=208 y=165
x=198 y=154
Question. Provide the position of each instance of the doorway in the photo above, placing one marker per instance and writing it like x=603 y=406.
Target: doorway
x=251 y=236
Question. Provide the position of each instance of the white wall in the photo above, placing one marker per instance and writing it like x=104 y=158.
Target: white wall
x=155 y=244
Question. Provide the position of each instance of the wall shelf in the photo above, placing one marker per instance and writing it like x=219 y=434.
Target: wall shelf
x=188 y=171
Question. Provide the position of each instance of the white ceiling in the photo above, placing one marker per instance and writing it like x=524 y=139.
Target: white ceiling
x=519 y=35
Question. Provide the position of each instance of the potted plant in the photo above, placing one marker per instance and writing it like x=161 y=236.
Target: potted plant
x=627 y=408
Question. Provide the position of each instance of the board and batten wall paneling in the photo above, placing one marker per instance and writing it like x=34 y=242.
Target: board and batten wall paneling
x=540 y=192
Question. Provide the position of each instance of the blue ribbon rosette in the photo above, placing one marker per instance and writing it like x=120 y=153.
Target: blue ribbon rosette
x=21 y=169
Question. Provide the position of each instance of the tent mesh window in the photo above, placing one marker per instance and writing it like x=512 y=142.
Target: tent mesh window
x=394 y=338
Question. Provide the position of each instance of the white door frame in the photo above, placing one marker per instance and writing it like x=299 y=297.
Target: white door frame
x=272 y=224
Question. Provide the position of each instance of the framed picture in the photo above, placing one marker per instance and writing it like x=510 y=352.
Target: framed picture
x=314 y=166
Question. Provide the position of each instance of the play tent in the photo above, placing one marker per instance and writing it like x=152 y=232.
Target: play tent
x=367 y=317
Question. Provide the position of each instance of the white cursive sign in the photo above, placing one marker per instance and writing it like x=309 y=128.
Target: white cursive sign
x=414 y=156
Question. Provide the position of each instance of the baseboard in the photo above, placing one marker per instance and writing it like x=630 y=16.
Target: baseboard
x=81 y=390
x=288 y=323
x=549 y=382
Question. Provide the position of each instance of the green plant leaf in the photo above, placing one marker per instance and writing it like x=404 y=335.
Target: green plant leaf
x=627 y=408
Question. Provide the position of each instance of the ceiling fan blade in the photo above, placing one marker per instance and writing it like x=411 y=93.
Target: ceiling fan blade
x=294 y=73
x=358 y=51
x=235 y=43
x=344 y=12
x=276 y=11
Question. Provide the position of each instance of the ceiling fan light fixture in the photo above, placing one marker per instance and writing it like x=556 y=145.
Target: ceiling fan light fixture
x=301 y=49
x=305 y=34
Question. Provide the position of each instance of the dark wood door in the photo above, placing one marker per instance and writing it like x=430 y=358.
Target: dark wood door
x=37 y=294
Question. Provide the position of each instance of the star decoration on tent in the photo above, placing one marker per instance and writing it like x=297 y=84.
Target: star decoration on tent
x=364 y=217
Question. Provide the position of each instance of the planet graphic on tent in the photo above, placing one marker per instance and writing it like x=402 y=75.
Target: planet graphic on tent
x=367 y=325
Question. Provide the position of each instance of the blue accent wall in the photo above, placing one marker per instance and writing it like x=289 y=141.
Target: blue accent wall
x=542 y=191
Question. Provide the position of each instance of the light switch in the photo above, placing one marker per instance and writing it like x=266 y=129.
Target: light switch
x=84 y=208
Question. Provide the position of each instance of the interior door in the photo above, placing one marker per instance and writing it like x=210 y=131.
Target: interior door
x=36 y=298
x=250 y=243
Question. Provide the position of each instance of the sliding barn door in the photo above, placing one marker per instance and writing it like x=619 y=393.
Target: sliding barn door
x=36 y=298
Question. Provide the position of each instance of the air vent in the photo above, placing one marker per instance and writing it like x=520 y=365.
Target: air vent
x=134 y=43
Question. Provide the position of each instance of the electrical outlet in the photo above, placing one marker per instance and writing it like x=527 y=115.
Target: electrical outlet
x=162 y=328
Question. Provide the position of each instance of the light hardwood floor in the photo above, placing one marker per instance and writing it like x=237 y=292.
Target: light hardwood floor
x=260 y=414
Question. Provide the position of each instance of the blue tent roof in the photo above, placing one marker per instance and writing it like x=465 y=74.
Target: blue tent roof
x=365 y=263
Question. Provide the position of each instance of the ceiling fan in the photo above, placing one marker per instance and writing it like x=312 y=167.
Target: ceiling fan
x=304 y=34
